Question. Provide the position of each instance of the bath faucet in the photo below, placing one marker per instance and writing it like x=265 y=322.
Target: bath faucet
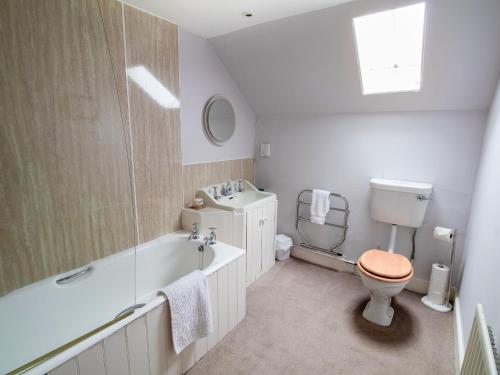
x=215 y=193
x=195 y=233
x=212 y=237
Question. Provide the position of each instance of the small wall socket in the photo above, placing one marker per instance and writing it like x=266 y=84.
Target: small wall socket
x=265 y=150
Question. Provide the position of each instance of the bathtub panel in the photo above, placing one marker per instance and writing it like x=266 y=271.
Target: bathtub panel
x=115 y=353
x=174 y=361
x=91 y=361
x=242 y=290
x=188 y=358
x=138 y=347
x=200 y=348
x=157 y=327
x=232 y=302
x=67 y=368
x=145 y=345
x=223 y=312
x=214 y=304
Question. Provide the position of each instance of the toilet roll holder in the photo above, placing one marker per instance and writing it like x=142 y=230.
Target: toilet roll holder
x=447 y=306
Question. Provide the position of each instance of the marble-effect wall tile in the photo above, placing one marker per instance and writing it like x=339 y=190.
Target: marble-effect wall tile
x=196 y=176
x=65 y=189
x=152 y=58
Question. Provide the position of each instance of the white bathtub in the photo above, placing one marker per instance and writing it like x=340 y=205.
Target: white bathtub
x=43 y=316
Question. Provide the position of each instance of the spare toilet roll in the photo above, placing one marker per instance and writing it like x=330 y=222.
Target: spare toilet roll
x=444 y=234
x=438 y=286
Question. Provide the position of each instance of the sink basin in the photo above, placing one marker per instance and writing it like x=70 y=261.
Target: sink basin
x=238 y=200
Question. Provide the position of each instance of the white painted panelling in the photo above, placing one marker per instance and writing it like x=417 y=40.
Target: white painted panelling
x=200 y=348
x=214 y=304
x=67 y=368
x=115 y=353
x=242 y=290
x=138 y=347
x=232 y=291
x=223 y=312
x=174 y=361
x=91 y=361
x=156 y=323
x=188 y=357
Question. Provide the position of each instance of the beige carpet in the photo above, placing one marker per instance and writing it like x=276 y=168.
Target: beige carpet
x=304 y=319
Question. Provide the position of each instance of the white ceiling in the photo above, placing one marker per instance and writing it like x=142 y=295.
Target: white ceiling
x=307 y=64
x=216 y=17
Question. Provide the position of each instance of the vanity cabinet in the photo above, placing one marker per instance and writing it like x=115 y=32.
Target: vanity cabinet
x=260 y=233
x=252 y=226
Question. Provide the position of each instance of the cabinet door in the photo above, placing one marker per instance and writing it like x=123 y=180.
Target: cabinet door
x=268 y=235
x=254 y=238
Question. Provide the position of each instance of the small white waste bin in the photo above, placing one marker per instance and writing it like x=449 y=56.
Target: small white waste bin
x=283 y=246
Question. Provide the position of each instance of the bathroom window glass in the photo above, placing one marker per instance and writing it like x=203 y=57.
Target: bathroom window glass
x=389 y=46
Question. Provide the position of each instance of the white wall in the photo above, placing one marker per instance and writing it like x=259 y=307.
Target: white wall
x=340 y=153
x=203 y=75
x=481 y=275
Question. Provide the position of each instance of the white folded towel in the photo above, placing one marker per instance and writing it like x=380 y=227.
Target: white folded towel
x=190 y=311
x=320 y=206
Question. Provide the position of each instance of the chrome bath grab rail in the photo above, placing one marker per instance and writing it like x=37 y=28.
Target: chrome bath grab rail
x=75 y=276
x=301 y=201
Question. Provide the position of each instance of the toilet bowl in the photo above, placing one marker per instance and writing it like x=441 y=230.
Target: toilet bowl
x=385 y=275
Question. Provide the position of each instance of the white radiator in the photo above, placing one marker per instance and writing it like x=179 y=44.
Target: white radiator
x=480 y=355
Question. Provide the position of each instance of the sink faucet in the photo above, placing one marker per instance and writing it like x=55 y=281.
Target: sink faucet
x=215 y=193
x=195 y=233
x=212 y=237
x=239 y=188
x=227 y=189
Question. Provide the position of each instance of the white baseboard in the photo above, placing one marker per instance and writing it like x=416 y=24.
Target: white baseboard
x=420 y=286
x=458 y=335
x=321 y=259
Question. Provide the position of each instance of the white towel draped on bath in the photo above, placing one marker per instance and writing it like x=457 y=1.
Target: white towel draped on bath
x=320 y=205
x=190 y=311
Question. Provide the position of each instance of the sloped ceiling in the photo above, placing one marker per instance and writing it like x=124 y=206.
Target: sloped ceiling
x=208 y=18
x=307 y=64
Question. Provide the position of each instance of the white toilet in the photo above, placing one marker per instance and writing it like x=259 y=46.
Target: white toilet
x=384 y=273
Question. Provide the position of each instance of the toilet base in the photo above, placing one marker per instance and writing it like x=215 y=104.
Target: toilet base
x=378 y=310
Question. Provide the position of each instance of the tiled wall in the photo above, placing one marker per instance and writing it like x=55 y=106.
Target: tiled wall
x=145 y=345
x=200 y=175
x=67 y=144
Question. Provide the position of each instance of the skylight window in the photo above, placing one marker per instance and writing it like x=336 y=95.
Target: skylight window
x=390 y=49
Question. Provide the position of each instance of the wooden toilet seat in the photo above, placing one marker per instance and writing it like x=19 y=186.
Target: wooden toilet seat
x=384 y=266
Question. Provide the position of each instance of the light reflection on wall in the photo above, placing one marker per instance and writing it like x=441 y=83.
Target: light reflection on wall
x=151 y=86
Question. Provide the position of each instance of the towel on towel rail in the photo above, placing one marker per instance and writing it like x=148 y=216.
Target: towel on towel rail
x=320 y=205
x=190 y=311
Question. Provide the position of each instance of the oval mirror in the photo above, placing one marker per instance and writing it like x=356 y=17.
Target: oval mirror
x=219 y=120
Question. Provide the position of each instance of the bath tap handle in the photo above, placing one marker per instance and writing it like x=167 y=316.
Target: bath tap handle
x=195 y=234
x=212 y=237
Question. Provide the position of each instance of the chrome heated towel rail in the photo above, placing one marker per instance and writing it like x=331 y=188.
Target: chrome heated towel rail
x=304 y=199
